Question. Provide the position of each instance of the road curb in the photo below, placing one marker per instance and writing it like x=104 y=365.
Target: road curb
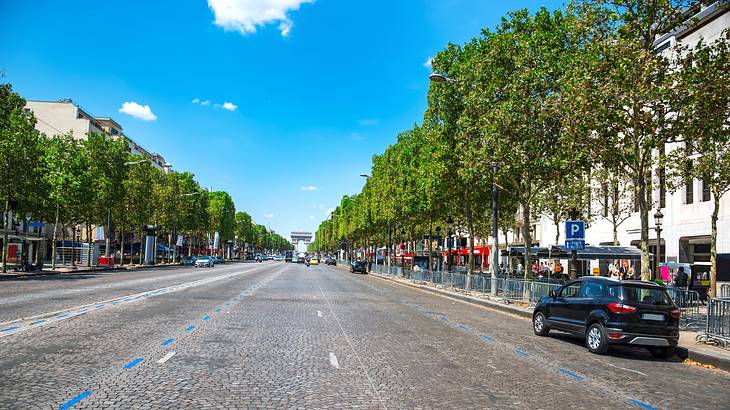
x=683 y=352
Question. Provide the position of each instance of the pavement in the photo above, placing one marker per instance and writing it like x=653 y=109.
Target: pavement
x=277 y=335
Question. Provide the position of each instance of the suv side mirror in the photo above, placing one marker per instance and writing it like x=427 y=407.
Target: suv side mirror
x=552 y=294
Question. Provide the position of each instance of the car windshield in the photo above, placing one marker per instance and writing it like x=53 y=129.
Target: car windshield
x=645 y=295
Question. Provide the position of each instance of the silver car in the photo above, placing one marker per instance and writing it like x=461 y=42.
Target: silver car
x=204 y=261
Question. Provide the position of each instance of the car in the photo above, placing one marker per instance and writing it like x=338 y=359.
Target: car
x=188 y=261
x=278 y=258
x=288 y=256
x=205 y=261
x=300 y=259
x=330 y=261
x=359 y=266
x=609 y=312
x=314 y=261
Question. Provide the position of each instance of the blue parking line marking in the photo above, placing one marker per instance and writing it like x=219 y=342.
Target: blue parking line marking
x=642 y=404
x=444 y=317
x=133 y=363
x=521 y=353
x=487 y=338
x=218 y=310
x=100 y=306
x=75 y=400
x=206 y=318
x=463 y=326
x=38 y=322
x=62 y=315
x=573 y=375
x=189 y=328
x=167 y=342
x=7 y=329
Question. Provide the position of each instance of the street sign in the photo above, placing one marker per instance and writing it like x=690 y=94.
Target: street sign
x=36 y=224
x=575 y=230
x=575 y=244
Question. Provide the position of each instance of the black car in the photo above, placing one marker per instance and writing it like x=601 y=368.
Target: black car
x=359 y=266
x=330 y=261
x=609 y=312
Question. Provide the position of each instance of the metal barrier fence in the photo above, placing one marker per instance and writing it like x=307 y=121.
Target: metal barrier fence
x=718 y=323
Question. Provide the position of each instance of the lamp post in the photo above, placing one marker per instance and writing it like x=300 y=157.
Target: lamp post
x=438 y=235
x=495 y=229
x=449 y=226
x=658 y=217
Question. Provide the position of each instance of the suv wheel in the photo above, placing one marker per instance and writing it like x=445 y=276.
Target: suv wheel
x=661 y=352
x=539 y=324
x=596 y=339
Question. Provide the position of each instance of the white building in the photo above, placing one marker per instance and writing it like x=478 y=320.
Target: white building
x=65 y=117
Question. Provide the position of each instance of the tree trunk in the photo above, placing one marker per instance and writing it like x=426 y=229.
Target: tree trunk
x=141 y=236
x=88 y=242
x=121 y=252
x=644 y=216
x=470 y=227
x=615 y=235
x=6 y=237
x=430 y=243
x=53 y=244
x=527 y=237
x=73 y=245
x=557 y=231
x=713 y=244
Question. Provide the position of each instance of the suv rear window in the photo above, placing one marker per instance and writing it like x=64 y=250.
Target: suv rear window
x=646 y=295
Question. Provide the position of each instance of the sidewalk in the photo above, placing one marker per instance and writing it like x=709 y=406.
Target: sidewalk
x=687 y=348
x=81 y=270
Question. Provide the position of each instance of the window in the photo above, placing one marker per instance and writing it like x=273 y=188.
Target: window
x=114 y=131
x=592 y=290
x=705 y=188
x=689 y=194
x=570 y=291
x=653 y=296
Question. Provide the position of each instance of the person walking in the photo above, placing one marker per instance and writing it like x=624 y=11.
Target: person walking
x=682 y=279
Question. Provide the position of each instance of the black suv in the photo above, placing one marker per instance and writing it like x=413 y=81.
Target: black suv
x=359 y=266
x=607 y=311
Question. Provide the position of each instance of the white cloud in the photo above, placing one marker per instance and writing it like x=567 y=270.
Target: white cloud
x=205 y=103
x=356 y=136
x=309 y=188
x=428 y=62
x=229 y=106
x=245 y=16
x=311 y=217
x=368 y=122
x=268 y=216
x=142 y=112
x=196 y=101
x=329 y=211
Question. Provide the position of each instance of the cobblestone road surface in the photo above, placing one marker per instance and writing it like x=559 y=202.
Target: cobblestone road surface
x=278 y=335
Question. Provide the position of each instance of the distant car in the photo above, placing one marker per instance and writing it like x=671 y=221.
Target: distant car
x=189 y=261
x=300 y=259
x=330 y=261
x=205 y=261
x=278 y=258
x=314 y=261
x=219 y=259
x=608 y=312
x=359 y=266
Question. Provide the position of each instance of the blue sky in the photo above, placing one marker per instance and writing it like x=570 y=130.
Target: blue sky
x=316 y=90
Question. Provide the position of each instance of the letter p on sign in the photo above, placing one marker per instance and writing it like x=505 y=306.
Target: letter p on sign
x=575 y=229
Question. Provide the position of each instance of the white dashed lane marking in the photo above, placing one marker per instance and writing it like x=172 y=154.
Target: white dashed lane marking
x=333 y=361
x=319 y=313
x=166 y=357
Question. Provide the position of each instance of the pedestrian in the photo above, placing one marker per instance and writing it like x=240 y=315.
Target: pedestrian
x=682 y=279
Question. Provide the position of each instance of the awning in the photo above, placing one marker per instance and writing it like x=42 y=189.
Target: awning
x=597 y=252
x=519 y=252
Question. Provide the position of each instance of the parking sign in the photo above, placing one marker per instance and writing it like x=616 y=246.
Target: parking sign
x=575 y=230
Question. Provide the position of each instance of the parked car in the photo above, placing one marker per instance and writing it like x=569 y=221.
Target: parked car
x=609 y=312
x=314 y=261
x=359 y=266
x=189 y=261
x=300 y=259
x=330 y=261
x=205 y=261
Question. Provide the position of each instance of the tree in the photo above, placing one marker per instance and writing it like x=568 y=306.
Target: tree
x=703 y=119
x=615 y=198
x=20 y=157
x=513 y=87
x=562 y=196
x=619 y=91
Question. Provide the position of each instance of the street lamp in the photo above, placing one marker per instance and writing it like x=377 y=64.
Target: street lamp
x=495 y=228
x=438 y=235
x=449 y=226
x=440 y=78
x=658 y=217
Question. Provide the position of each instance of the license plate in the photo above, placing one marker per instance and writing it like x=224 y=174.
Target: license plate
x=652 y=316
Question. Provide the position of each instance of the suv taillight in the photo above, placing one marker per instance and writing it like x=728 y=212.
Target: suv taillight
x=615 y=307
x=676 y=313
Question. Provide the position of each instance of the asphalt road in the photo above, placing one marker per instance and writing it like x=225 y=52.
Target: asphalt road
x=278 y=335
